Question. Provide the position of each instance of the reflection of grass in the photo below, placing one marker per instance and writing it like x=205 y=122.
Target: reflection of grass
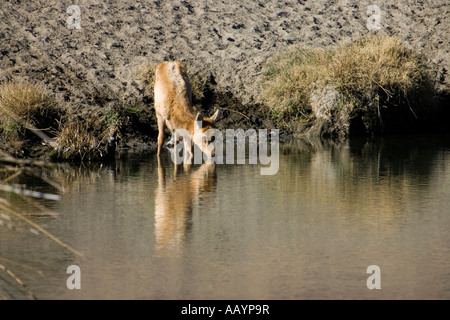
x=19 y=216
x=373 y=65
x=4 y=295
x=383 y=176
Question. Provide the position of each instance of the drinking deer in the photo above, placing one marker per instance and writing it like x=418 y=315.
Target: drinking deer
x=173 y=106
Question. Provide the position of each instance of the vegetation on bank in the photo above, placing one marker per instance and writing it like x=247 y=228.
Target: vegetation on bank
x=370 y=81
x=30 y=117
x=372 y=73
x=23 y=106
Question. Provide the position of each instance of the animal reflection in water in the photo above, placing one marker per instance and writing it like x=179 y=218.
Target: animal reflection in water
x=175 y=199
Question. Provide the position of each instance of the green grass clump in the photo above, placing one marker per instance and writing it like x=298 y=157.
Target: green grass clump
x=133 y=111
x=372 y=66
x=112 y=118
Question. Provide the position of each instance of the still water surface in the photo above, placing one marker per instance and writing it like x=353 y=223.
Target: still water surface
x=227 y=232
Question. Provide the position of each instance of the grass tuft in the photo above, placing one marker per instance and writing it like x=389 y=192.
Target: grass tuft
x=76 y=142
x=24 y=104
x=145 y=73
x=372 y=66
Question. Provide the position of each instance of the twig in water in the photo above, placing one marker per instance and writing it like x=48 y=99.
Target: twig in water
x=46 y=179
x=39 y=272
x=14 y=175
x=17 y=279
x=39 y=228
x=35 y=194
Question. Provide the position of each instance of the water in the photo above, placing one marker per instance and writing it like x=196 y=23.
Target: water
x=227 y=232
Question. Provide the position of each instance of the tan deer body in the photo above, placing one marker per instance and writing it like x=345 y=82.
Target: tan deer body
x=173 y=105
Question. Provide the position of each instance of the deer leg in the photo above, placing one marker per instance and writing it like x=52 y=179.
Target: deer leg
x=161 y=135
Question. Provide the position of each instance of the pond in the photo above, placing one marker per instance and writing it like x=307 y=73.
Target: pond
x=139 y=228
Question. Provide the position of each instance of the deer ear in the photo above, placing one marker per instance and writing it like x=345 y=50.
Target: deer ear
x=198 y=121
x=215 y=116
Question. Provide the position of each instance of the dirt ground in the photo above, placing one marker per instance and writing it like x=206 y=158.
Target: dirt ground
x=93 y=68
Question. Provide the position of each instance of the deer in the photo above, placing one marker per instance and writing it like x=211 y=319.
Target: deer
x=173 y=107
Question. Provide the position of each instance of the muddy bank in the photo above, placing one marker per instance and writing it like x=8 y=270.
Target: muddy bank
x=92 y=70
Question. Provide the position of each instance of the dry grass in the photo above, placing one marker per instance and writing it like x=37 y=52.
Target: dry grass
x=379 y=65
x=75 y=141
x=87 y=139
x=289 y=78
x=145 y=73
x=27 y=107
x=23 y=104
x=198 y=85
x=359 y=70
